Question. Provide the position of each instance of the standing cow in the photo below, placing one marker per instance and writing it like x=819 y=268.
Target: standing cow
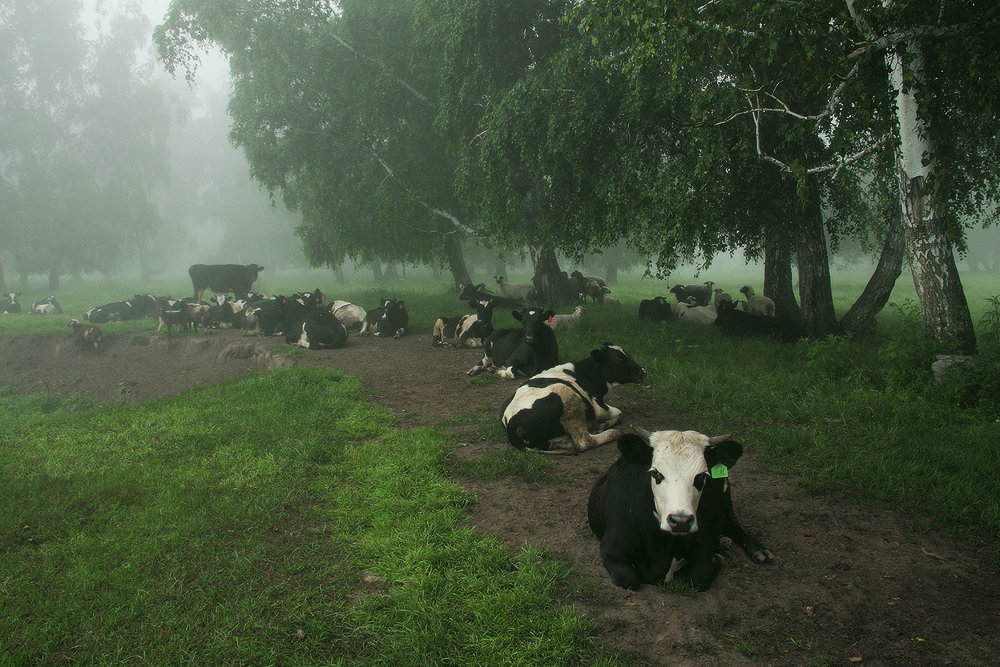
x=662 y=508
x=222 y=278
x=562 y=402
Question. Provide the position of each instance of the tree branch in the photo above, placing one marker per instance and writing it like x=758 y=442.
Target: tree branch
x=413 y=91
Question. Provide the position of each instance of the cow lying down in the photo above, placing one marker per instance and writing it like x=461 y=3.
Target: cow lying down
x=556 y=409
x=662 y=509
x=320 y=330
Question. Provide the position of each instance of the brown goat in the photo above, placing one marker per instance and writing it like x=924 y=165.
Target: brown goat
x=87 y=335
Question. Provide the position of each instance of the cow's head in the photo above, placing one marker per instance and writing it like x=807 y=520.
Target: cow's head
x=531 y=320
x=617 y=367
x=683 y=465
x=484 y=309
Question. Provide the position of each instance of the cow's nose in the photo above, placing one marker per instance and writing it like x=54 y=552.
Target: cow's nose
x=680 y=523
x=642 y=373
x=529 y=339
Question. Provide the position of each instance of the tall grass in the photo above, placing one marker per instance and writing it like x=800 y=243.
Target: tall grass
x=279 y=519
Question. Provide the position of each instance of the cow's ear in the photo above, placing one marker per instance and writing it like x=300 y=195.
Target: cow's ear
x=727 y=453
x=549 y=313
x=598 y=354
x=399 y=304
x=635 y=449
x=516 y=314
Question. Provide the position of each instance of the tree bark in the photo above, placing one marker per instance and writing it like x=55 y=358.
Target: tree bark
x=778 y=276
x=932 y=259
x=377 y=271
x=53 y=280
x=552 y=285
x=456 y=261
x=3 y=282
x=861 y=316
x=611 y=273
x=815 y=290
x=338 y=271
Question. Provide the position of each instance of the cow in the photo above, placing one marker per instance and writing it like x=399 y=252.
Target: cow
x=702 y=293
x=47 y=306
x=656 y=309
x=320 y=330
x=525 y=351
x=394 y=319
x=553 y=410
x=173 y=316
x=465 y=330
x=740 y=324
x=479 y=292
x=87 y=335
x=9 y=304
x=662 y=509
x=116 y=311
x=351 y=316
x=222 y=278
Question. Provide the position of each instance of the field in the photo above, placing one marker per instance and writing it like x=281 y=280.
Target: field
x=317 y=506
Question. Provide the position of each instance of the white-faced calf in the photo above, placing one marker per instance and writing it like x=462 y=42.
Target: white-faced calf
x=662 y=509
x=555 y=409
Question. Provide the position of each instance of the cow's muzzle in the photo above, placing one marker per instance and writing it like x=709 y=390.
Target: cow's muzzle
x=680 y=523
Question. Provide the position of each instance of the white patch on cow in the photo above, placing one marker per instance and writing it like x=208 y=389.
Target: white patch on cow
x=678 y=457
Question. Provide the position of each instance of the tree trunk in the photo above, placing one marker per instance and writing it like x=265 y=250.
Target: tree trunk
x=552 y=286
x=611 y=273
x=390 y=272
x=499 y=268
x=815 y=291
x=861 y=317
x=339 y=272
x=456 y=261
x=53 y=280
x=377 y=271
x=23 y=279
x=778 y=276
x=3 y=282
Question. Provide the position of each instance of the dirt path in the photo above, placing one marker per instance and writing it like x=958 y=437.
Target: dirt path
x=851 y=584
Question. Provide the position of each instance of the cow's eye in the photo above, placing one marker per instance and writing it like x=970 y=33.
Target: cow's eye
x=656 y=475
x=699 y=480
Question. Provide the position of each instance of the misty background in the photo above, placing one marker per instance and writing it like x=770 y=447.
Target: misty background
x=113 y=169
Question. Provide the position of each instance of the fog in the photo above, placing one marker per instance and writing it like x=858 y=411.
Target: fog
x=170 y=188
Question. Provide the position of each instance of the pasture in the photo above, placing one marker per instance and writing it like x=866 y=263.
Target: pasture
x=216 y=525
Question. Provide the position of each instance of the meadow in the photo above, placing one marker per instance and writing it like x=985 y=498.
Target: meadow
x=191 y=530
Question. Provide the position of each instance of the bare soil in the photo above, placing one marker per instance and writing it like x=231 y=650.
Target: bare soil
x=851 y=584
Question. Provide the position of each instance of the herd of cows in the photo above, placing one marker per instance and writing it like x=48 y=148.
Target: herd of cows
x=661 y=510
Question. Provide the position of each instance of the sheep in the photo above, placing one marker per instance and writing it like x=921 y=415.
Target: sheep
x=87 y=335
x=522 y=292
x=701 y=293
x=596 y=292
x=722 y=296
x=757 y=304
x=689 y=311
x=566 y=321
x=612 y=300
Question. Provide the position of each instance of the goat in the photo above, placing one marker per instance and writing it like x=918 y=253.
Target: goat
x=757 y=304
x=87 y=335
x=565 y=321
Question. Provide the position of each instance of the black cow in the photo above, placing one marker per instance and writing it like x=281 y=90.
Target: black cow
x=394 y=319
x=656 y=309
x=740 y=324
x=465 y=330
x=479 y=292
x=560 y=403
x=663 y=507
x=9 y=304
x=525 y=351
x=320 y=330
x=222 y=278
x=702 y=293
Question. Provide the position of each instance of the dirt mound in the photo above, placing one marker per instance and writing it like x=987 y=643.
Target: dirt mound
x=850 y=583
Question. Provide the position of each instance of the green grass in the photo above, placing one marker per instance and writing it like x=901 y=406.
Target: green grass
x=213 y=527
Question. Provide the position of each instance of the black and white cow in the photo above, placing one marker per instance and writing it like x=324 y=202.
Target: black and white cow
x=394 y=319
x=351 y=316
x=662 y=509
x=116 y=311
x=554 y=409
x=525 y=351
x=222 y=278
x=9 y=304
x=465 y=330
x=47 y=306
x=320 y=330
x=656 y=309
x=478 y=292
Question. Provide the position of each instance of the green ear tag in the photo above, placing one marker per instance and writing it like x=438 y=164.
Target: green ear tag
x=719 y=470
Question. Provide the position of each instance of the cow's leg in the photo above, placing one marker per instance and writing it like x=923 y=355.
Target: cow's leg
x=732 y=529
x=606 y=415
x=483 y=365
x=621 y=571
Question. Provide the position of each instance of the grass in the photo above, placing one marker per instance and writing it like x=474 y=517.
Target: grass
x=276 y=519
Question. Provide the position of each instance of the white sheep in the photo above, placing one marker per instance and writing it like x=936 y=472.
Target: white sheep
x=689 y=312
x=566 y=321
x=757 y=304
x=522 y=292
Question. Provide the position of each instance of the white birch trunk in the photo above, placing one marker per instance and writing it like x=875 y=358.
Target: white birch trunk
x=939 y=289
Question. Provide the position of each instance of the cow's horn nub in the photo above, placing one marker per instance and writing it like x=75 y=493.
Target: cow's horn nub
x=715 y=440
